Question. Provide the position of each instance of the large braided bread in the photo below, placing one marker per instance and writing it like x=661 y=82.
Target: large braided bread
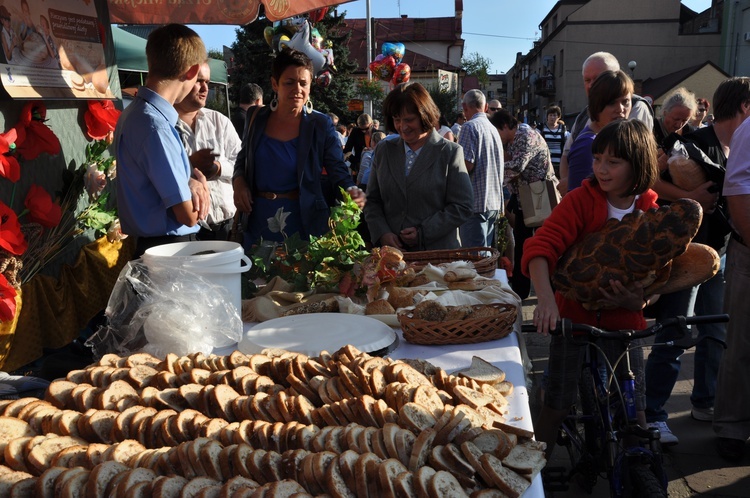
x=639 y=248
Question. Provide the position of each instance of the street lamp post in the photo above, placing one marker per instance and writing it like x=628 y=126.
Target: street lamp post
x=368 y=104
x=631 y=66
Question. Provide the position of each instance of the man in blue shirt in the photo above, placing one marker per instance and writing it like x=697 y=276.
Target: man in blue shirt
x=160 y=197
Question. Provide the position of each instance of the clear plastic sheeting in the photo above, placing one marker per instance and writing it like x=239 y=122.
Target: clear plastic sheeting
x=162 y=309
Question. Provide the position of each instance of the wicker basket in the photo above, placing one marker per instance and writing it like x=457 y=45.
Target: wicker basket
x=483 y=264
x=467 y=331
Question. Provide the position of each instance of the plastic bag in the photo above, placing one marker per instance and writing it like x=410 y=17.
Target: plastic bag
x=161 y=309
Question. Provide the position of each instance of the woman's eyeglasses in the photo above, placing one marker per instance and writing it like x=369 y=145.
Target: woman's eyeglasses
x=701 y=109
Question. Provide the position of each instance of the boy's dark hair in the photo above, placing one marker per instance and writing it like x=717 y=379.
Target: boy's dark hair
x=290 y=58
x=608 y=87
x=250 y=92
x=632 y=141
x=172 y=49
x=553 y=109
x=729 y=97
x=503 y=118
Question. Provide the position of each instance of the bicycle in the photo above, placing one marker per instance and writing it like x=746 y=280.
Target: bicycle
x=601 y=434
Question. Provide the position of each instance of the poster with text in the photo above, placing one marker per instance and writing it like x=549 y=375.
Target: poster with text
x=52 y=50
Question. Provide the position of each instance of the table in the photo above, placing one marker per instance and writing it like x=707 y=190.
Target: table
x=503 y=353
x=507 y=353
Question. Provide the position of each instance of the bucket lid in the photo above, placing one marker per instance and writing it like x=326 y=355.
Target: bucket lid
x=217 y=252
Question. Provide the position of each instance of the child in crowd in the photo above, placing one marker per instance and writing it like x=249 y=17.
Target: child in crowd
x=624 y=170
x=364 y=166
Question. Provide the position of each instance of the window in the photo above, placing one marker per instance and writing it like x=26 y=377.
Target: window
x=554 y=22
x=560 y=63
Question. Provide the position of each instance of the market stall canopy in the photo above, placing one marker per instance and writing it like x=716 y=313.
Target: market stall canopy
x=130 y=55
x=236 y=12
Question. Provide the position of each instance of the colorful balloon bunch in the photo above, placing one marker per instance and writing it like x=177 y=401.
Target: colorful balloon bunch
x=387 y=66
x=297 y=33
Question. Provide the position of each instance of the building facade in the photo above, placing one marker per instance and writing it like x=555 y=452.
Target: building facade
x=650 y=39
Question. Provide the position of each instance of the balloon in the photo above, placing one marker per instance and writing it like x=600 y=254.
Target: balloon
x=324 y=79
x=395 y=50
x=268 y=34
x=382 y=67
x=301 y=41
x=401 y=73
x=317 y=40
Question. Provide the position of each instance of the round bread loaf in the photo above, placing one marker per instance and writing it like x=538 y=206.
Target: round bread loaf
x=696 y=265
x=632 y=250
x=686 y=173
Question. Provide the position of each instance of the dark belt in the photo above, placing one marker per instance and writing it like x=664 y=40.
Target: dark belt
x=218 y=226
x=293 y=195
x=737 y=238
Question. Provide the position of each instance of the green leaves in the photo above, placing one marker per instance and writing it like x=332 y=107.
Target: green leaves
x=321 y=262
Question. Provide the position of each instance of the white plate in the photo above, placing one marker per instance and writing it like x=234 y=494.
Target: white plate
x=313 y=332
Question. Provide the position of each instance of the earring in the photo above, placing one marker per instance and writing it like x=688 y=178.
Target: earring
x=309 y=106
x=274 y=103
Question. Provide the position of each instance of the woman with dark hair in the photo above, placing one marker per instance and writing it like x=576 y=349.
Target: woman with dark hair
x=444 y=129
x=527 y=160
x=419 y=191
x=284 y=150
x=609 y=100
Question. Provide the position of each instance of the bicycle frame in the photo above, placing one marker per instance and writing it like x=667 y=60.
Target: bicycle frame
x=616 y=441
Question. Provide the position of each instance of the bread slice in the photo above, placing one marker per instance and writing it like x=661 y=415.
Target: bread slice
x=493 y=441
x=445 y=484
x=45 y=483
x=335 y=482
x=483 y=371
x=421 y=449
x=40 y=457
x=525 y=460
x=100 y=477
x=473 y=455
x=422 y=480
x=388 y=470
x=12 y=428
x=512 y=429
x=505 y=479
x=403 y=485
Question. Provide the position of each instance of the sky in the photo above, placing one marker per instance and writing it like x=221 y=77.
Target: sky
x=496 y=29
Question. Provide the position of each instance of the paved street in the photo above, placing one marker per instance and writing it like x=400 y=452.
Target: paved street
x=694 y=467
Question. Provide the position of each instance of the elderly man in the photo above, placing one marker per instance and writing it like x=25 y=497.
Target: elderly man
x=593 y=66
x=483 y=154
x=212 y=145
x=493 y=106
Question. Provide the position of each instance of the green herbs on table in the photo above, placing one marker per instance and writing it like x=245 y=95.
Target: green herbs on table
x=329 y=262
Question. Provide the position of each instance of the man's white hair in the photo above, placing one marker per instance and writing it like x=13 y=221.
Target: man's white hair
x=609 y=60
x=475 y=99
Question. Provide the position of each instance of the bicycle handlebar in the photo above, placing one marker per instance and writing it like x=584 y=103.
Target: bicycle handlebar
x=579 y=330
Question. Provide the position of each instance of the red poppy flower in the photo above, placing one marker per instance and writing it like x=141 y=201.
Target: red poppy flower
x=9 y=167
x=34 y=136
x=101 y=118
x=7 y=300
x=11 y=237
x=41 y=208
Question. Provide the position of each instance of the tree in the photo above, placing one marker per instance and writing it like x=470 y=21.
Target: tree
x=215 y=54
x=477 y=65
x=253 y=58
x=447 y=102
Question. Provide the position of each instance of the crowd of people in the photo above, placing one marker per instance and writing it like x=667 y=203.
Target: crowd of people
x=185 y=171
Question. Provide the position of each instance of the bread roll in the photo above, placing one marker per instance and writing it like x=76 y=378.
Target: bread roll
x=401 y=297
x=686 y=173
x=460 y=274
x=379 y=307
x=430 y=310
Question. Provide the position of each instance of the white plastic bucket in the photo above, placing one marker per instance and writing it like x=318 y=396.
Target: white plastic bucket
x=222 y=266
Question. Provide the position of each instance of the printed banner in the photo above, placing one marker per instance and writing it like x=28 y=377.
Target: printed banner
x=52 y=52
x=448 y=81
x=237 y=12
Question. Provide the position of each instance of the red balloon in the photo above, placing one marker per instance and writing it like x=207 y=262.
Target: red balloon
x=401 y=73
x=382 y=67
